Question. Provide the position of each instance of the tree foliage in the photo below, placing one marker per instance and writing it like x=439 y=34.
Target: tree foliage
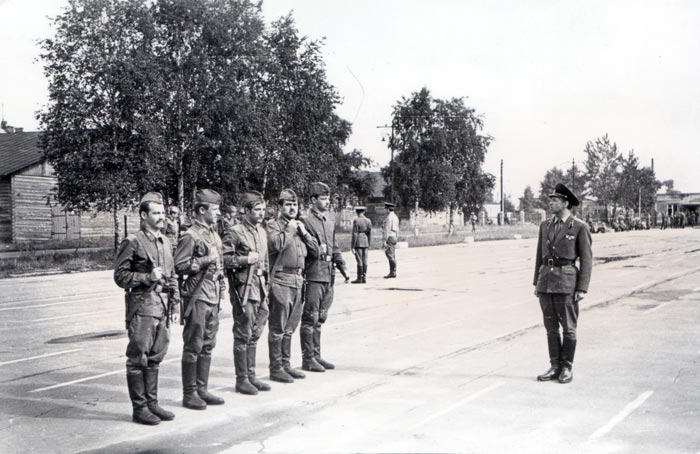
x=175 y=95
x=439 y=152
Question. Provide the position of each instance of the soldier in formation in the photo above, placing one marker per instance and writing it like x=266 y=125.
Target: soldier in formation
x=320 y=278
x=289 y=244
x=144 y=268
x=199 y=259
x=246 y=261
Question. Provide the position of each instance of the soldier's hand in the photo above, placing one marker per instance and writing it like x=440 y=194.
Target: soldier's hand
x=252 y=258
x=293 y=224
x=302 y=228
x=578 y=296
x=175 y=313
x=156 y=274
x=537 y=294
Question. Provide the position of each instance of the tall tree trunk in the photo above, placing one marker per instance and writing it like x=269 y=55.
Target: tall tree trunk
x=116 y=227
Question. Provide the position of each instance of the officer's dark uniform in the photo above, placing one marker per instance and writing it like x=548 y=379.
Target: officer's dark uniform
x=360 y=242
x=146 y=315
x=288 y=249
x=560 y=244
x=199 y=257
x=248 y=291
x=320 y=278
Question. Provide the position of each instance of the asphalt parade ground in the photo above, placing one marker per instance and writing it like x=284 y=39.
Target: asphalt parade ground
x=441 y=359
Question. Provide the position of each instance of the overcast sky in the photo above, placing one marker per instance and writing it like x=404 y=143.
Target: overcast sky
x=547 y=76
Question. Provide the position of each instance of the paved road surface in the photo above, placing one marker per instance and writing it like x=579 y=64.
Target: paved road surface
x=442 y=359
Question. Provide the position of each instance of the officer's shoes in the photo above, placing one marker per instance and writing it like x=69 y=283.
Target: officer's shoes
x=566 y=375
x=144 y=416
x=390 y=276
x=161 y=413
x=296 y=374
x=312 y=365
x=210 y=399
x=281 y=376
x=259 y=385
x=244 y=387
x=193 y=401
x=551 y=374
x=357 y=281
x=326 y=365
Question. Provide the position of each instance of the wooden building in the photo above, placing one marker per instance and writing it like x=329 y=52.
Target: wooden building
x=26 y=183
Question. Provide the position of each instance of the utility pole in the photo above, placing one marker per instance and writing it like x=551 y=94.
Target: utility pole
x=573 y=175
x=391 y=160
x=503 y=207
x=640 y=203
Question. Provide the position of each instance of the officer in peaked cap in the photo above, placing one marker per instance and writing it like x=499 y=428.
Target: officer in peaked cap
x=199 y=259
x=320 y=278
x=289 y=243
x=246 y=261
x=391 y=237
x=559 y=284
x=360 y=242
x=144 y=268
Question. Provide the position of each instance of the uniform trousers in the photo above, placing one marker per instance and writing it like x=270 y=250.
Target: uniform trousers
x=249 y=325
x=361 y=258
x=390 y=251
x=199 y=333
x=286 y=305
x=318 y=301
x=559 y=309
x=149 y=338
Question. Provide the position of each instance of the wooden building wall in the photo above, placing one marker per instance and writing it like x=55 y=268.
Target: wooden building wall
x=5 y=210
x=95 y=225
x=31 y=215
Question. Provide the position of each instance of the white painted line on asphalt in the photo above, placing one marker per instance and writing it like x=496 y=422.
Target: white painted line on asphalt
x=93 y=377
x=649 y=311
x=696 y=289
x=60 y=297
x=458 y=404
x=59 y=317
x=679 y=259
x=629 y=408
x=413 y=333
x=45 y=355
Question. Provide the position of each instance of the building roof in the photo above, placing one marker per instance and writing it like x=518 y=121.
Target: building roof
x=19 y=150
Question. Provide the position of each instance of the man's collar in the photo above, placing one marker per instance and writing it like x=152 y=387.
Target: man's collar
x=318 y=213
x=152 y=235
x=203 y=225
x=249 y=224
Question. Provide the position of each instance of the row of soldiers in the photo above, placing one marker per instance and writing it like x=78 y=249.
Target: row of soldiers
x=282 y=273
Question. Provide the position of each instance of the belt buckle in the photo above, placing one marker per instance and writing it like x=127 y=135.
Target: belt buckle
x=327 y=258
x=550 y=262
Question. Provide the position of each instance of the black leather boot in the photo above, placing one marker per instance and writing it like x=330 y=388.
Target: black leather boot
x=359 y=275
x=150 y=376
x=317 y=351
x=240 y=361
x=190 y=398
x=566 y=375
x=286 y=355
x=137 y=392
x=203 y=366
x=261 y=386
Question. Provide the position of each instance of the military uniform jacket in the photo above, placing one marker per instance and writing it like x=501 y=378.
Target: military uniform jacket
x=361 y=232
x=320 y=268
x=288 y=252
x=573 y=241
x=137 y=256
x=391 y=227
x=239 y=241
x=192 y=259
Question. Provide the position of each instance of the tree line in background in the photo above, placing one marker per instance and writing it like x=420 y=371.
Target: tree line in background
x=175 y=95
x=612 y=179
x=439 y=154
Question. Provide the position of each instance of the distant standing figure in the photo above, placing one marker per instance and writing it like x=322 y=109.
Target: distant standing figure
x=391 y=237
x=558 y=283
x=360 y=242
x=172 y=226
x=228 y=220
x=472 y=220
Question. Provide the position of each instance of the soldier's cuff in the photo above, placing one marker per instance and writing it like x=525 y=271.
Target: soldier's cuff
x=143 y=278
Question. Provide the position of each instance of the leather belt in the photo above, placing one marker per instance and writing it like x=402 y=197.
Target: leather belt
x=558 y=262
x=291 y=270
